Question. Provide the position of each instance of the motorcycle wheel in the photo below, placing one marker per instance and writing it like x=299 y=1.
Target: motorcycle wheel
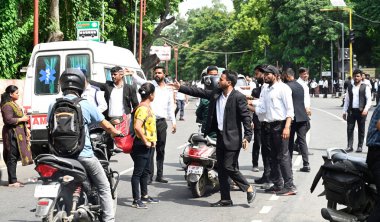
x=57 y=213
x=198 y=188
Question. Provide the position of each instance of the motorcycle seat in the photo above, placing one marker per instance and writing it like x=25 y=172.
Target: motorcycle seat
x=67 y=166
x=198 y=138
x=357 y=161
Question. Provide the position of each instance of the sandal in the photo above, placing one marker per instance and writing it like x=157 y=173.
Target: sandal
x=17 y=184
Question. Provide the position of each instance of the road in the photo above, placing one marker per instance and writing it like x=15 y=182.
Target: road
x=327 y=130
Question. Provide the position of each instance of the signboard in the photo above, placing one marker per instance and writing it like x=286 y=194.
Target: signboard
x=326 y=73
x=163 y=52
x=337 y=3
x=88 y=31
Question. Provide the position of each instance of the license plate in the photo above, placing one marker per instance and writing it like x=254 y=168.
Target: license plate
x=194 y=169
x=46 y=190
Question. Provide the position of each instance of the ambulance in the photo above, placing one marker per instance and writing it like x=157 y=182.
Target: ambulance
x=49 y=60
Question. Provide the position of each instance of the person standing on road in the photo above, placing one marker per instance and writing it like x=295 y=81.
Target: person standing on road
x=373 y=158
x=143 y=146
x=16 y=135
x=300 y=124
x=356 y=105
x=163 y=108
x=325 y=87
x=227 y=112
x=313 y=86
x=276 y=107
x=181 y=100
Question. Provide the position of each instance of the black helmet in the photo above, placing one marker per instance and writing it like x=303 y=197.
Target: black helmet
x=73 y=79
x=211 y=81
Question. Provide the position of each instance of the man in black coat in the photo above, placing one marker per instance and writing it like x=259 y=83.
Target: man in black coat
x=300 y=124
x=227 y=111
x=112 y=92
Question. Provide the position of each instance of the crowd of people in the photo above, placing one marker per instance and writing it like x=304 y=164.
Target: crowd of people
x=276 y=114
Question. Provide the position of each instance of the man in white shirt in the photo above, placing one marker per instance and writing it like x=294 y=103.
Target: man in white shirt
x=325 y=87
x=163 y=108
x=276 y=106
x=303 y=80
x=356 y=105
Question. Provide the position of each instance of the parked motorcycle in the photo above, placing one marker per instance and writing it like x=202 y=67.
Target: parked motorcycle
x=348 y=185
x=199 y=157
x=66 y=193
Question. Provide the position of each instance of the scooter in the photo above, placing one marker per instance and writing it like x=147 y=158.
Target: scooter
x=348 y=185
x=66 y=193
x=199 y=157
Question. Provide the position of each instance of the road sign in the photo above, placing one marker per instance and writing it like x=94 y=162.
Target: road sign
x=88 y=31
x=338 y=3
x=163 y=52
x=327 y=73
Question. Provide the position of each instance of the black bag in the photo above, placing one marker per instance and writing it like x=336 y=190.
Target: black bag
x=66 y=131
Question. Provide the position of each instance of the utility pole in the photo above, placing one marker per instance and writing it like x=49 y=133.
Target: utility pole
x=142 y=13
x=35 y=40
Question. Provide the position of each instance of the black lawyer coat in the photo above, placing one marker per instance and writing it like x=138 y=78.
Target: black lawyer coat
x=236 y=113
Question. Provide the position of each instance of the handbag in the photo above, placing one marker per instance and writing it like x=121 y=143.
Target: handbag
x=125 y=143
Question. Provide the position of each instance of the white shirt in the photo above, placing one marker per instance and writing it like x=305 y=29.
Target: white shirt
x=96 y=97
x=325 y=84
x=220 y=107
x=180 y=96
x=276 y=102
x=116 y=107
x=355 y=98
x=320 y=82
x=163 y=103
x=313 y=84
x=368 y=83
x=306 y=97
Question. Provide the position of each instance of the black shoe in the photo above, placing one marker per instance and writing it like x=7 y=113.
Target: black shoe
x=161 y=180
x=287 y=191
x=262 y=180
x=349 y=150
x=222 y=203
x=305 y=169
x=251 y=195
x=359 y=150
x=273 y=189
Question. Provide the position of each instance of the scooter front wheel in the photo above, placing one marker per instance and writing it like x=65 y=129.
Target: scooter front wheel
x=198 y=188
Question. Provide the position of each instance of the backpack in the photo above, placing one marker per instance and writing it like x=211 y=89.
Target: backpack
x=66 y=130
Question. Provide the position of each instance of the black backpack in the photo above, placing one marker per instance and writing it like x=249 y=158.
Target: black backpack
x=66 y=130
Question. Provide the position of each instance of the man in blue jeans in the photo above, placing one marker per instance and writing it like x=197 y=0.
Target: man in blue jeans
x=72 y=83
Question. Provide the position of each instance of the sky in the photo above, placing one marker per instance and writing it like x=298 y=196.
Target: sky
x=191 y=4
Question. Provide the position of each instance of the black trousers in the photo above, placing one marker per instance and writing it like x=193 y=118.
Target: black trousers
x=141 y=158
x=266 y=150
x=281 y=163
x=11 y=161
x=256 y=145
x=228 y=167
x=161 y=126
x=373 y=161
x=353 y=116
x=301 y=128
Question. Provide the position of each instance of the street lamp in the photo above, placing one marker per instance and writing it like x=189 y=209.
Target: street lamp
x=349 y=10
x=176 y=61
x=342 y=47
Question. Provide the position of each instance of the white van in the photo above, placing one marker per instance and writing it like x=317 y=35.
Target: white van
x=49 y=60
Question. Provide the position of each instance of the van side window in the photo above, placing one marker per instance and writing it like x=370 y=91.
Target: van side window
x=107 y=71
x=81 y=61
x=140 y=74
x=47 y=75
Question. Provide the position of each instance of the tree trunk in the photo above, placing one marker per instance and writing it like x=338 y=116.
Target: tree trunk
x=55 y=31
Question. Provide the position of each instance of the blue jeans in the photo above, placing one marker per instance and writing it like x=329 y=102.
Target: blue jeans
x=181 y=108
x=141 y=171
x=98 y=177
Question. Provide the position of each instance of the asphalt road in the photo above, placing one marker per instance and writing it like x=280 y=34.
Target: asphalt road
x=176 y=203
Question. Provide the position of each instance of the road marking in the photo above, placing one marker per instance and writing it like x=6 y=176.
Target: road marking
x=265 y=209
x=126 y=171
x=274 y=197
x=298 y=160
x=256 y=221
x=338 y=117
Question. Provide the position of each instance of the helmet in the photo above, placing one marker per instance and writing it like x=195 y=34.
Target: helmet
x=210 y=81
x=73 y=79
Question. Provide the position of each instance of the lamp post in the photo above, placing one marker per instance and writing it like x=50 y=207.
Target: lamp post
x=35 y=39
x=342 y=47
x=349 y=10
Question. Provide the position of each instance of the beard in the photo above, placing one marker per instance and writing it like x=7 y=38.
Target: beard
x=260 y=81
x=158 y=79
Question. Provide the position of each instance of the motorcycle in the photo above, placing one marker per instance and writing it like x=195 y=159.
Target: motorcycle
x=66 y=193
x=349 y=189
x=199 y=157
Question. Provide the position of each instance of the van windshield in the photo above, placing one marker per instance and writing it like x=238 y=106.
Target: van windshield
x=47 y=75
x=80 y=61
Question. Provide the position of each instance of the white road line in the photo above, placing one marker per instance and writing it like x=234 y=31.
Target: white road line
x=126 y=171
x=274 y=197
x=256 y=221
x=298 y=160
x=338 y=117
x=265 y=209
